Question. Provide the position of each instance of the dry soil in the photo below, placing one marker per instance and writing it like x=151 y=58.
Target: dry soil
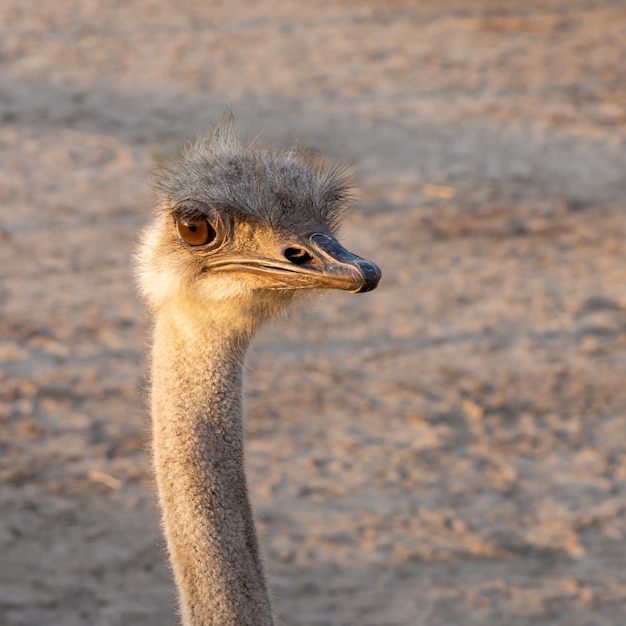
x=447 y=450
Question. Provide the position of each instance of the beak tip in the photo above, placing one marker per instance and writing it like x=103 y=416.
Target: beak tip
x=371 y=276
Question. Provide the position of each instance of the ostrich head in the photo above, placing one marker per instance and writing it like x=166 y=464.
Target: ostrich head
x=241 y=229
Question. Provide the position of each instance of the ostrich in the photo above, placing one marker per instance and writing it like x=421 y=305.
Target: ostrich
x=239 y=231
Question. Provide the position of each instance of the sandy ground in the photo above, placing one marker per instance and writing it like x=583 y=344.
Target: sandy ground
x=447 y=450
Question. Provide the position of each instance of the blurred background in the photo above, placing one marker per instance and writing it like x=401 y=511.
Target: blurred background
x=447 y=450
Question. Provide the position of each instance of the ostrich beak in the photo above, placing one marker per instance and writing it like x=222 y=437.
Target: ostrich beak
x=333 y=266
x=312 y=261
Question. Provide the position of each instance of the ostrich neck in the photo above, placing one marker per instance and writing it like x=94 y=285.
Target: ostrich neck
x=199 y=462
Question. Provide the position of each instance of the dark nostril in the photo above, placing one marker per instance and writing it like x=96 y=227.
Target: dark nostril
x=298 y=256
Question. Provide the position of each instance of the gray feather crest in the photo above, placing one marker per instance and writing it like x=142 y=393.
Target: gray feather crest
x=284 y=187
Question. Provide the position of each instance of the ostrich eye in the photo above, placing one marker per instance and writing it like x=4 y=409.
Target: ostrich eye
x=196 y=231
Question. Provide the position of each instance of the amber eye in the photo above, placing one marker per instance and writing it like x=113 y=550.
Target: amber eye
x=196 y=231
